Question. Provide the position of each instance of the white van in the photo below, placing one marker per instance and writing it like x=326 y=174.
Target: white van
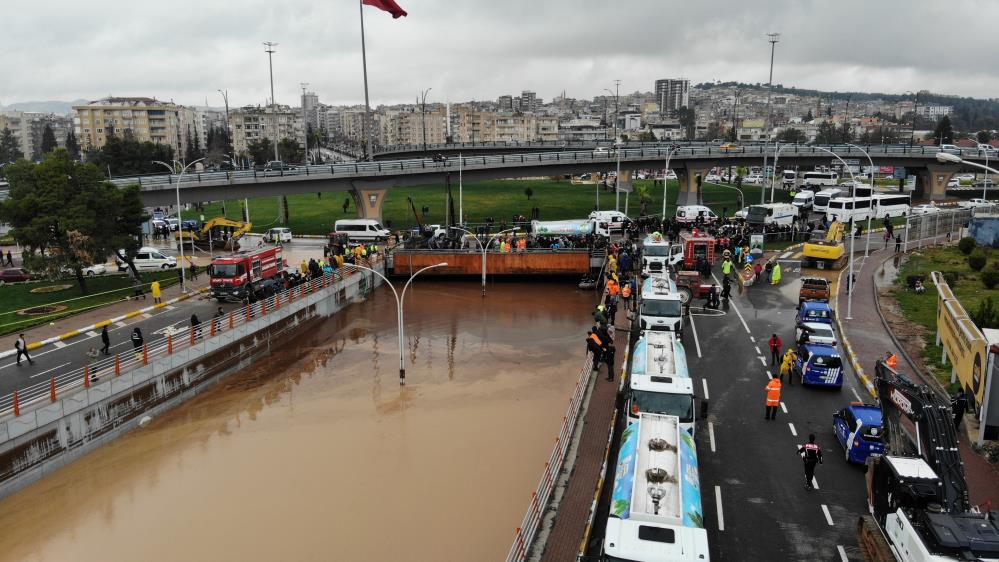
x=278 y=235
x=361 y=230
x=148 y=258
x=612 y=221
x=781 y=214
x=690 y=213
x=804 y=200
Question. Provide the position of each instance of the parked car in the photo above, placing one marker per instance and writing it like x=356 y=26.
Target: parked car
x=278 y=235
x=986 y=149
x=925 y=209
x=278 y=166
x=951 y=148
x=16 y=275
x=985 y=183
x=858 y=428
x=813 y=289
x=954 y=182
x=753 y=179
x=818 y=333
x=742 y=213
x=966 y=177
x=976 y=203
x=89 y=271
x=713 y=178
x=602 y=151
x=729 y=146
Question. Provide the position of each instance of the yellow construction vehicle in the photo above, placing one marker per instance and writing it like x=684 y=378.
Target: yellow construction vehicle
x=825 y=249
x=219 y=233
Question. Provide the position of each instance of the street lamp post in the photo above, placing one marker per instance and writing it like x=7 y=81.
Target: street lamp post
x=773 y=38
x=400 y=301
x=853 y=239
x=485 y=249
x=305 y=123
x=773 y=176
x=948 y=158
x=180 y=220
x=669 y=155
x=867 y=245
x=270 y=60
x=423 y=111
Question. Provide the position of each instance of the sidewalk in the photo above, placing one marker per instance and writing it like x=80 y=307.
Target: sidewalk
x=869 y=340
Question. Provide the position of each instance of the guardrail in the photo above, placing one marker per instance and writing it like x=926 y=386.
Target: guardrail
x=57 y=386
x=540 y=497
x=469 y=163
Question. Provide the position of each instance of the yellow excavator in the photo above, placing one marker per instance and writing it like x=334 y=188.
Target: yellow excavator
x=825 y=249
x=219 y=233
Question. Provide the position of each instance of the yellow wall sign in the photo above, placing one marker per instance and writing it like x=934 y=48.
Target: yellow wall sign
x=964 y=344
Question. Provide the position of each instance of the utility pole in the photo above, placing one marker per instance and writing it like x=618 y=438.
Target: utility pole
x=773 y=38
x=270 y=59
x=305 y=123
x=617 y=106
x=423 y=111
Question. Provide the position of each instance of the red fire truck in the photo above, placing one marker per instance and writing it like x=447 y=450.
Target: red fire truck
x=697 y=245
x=243 y=275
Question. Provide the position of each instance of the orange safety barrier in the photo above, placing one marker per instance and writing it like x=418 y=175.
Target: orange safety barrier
x=232 y=321
x=263 y=308
x=17 y=405
x=324 y=281
x=117 y=364
x=86 y=376
x=170 y=344
x=248 y=313
x=277 y=301
x=291 y=295
x=303 y=289
x=213 y=328
x=52 y=395
x=194 y=333
x=145 y=354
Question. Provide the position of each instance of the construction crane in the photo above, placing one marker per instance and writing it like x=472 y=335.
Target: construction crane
x=217 y=233
x=917 y=493
x=825 y=249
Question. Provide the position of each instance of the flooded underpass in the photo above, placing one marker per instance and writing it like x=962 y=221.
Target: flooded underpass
x=317 y=453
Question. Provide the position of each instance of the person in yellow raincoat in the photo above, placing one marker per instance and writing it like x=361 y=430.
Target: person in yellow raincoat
x=787 y=363
x=775 y=275
x=156 y=291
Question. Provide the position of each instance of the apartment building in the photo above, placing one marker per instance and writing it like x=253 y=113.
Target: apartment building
x=486 y=126
x=251 y=124
x=671 y=94
x=147 y=118
x=407 y=127
x=28 y=128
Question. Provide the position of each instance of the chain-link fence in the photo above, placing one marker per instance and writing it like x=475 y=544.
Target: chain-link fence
x=927 y=228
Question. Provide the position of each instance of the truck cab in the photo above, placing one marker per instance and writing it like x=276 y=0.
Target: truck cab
x=661 y=308
x=820 y=365
x=243 y=275
x=659 y=381
x=658 y=255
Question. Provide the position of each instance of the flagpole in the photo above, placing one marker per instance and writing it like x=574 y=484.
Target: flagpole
x=367 y=105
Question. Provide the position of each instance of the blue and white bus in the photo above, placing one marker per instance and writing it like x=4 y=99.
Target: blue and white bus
x=659 y=381
x=655 y=510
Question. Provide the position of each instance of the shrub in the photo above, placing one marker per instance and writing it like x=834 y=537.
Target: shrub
x=986 y=315
x=951 y=277
x=966 y=245
x=977 y=259
x=990 y=278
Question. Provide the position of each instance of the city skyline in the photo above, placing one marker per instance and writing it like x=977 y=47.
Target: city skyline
x=440 y=46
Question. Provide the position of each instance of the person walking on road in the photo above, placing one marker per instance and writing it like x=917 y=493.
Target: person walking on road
x=22 y=349
x=106 y=340
x=10 y=259
x=137 y=341
x=775 y=275
x=773 y=398
x=787 y=365
x=157 y=292
x=726 y=288
x=776 y=345
x=811 y=454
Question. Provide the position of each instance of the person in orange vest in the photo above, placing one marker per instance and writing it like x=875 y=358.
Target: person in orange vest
x=891 y=360
x=626 y=292
x=595 y=346
x=773 y=398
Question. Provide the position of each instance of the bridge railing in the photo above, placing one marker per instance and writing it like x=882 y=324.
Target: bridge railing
x=48 y=391
x=658 y=152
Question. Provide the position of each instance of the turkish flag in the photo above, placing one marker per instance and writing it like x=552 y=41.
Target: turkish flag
x=388 y=5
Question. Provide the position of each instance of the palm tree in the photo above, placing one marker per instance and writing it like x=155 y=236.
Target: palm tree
x=644 y=197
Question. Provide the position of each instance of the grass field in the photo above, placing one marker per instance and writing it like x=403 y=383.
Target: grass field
x=102 y=290
x=500 y=199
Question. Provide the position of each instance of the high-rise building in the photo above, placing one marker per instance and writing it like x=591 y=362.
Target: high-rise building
x=28 y=128
x=148 y=119
x=529 y=102
x=251 y=124
x=311 y=103
x=505 y=103
x=672 y=94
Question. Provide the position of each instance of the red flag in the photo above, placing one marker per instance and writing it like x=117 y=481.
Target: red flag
x=387 y=5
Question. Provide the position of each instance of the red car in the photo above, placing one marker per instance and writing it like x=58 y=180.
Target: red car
x=15 y=274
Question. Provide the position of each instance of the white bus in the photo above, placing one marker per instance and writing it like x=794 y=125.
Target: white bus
x=655 y=509
x=790 y=178
x=892 y=205
x=659 y=380
x=817 y=179
x=845 y=208
x=821 y=202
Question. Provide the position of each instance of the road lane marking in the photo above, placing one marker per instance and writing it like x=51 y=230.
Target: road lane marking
x=59 y=344
x=169 y=307
x=92 y=334
x=697 y=343
x=793 y=430
x=711 y=435
x=758 y=350
x=815 y=483
x=120 y=324
x=783 y=407
x=751 y=338
x=842 y=553
x=721 y=517
x=825 y=510
x=704 y=383
x=762 y=360
x=736 y=308
x=146 y=315
x=48 y=371
x=854 y=391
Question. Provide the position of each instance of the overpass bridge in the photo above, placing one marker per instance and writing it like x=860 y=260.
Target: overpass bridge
x=369 y=182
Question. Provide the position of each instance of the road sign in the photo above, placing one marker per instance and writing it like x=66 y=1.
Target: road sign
x=899 y=173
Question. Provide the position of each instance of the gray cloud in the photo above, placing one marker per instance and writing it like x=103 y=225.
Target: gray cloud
x=187 y=49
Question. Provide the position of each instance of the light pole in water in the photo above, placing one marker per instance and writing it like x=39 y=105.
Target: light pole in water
x=485 y=249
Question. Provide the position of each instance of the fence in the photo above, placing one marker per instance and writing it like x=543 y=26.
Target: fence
x=930 y=226
x=540 y=497
x=49 y=391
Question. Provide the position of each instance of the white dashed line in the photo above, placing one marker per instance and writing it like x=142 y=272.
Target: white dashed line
x=783 y=407
x=758 y=350
x=697 y=343
x=169 y=307
x=842 y=553
x=92 y=334
x=146 y=315
x=815 y=483
x=825 y=510
x=752 y=339
x=736 y=309
x=48 y=371
x=120 y=324
x=721 y=517
x=793 y=430
x=704 y=383
x=60 y=344
x=762 y=360
x=711 y=435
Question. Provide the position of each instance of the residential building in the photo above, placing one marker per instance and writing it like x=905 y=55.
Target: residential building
x=506 y=103
x=148 y=119
x=671 y=94
x=28 y=128
x=486 y=126
x=310 y=101
x=253 y=123
x=529 y=102
x=412 y=127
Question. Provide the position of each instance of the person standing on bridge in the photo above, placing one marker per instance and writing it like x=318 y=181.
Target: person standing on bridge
x=773 y=398
x=811 y=454
x=594 y=346
x=775 y=345
x=106 y=340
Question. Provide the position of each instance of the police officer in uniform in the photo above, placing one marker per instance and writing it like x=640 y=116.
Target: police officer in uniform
x=811 y=454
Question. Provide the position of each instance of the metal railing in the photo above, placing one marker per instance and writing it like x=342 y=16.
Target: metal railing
x=470 y=163
x=60 y=385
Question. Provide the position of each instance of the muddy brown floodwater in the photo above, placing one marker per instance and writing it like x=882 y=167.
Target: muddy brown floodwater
x=317 y=453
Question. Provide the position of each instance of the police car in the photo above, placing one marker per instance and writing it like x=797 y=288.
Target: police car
x=858 y=429
x=814 y=311
x=819 y=365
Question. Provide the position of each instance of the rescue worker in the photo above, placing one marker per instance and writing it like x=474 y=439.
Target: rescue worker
x=726 y=267
x=612 y=263
x=787 y=365
x=775 y=275
x=626 y=293
x=775 y=345
x=598 y=315
x=726 y=288
x=304 y=268
x=811 y=454
x=157 y=292
x=773 y=398
x=608 y=357
x=594 y=346
x=613 y=290
x=891 y=360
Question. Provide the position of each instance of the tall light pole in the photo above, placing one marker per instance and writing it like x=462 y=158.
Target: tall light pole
x=270 y=60
x=423 y=111
x=773 y=38
x=228 y=127
x=180 y=220
x=305 y=123
x=849 y=293
x=948 y=158
x=485 y=248
x=669 y=154
x=400 y=301
x=867 y=246
x=773 y=176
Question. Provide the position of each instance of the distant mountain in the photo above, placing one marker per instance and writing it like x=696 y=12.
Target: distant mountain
x=58 y=107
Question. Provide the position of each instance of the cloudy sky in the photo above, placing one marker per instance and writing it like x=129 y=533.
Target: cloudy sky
x=185 y=50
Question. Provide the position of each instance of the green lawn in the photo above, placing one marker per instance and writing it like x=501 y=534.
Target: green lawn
x=102 y=290
x=922 y=309
x=500 y=199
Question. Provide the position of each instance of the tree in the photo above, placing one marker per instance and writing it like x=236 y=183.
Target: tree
x=9 y=150
x=126 y=156
x=809 y=117
x=791 y=134
x=191 y=153
x=688 y=120
x=827 y=134
x=72 y=145
x=714 y=131
x=943 y=133
x=647 y=136
x=845 y=133
x=66 y=216
x=984 y=136
x=290 y=150
x=528 y=192
x=644 y=192
x=48 y=139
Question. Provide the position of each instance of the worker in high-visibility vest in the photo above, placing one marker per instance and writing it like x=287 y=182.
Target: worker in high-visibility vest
x=891 y=360
x=626 y=293
x=773 y=398
x=786 y=366
x=726 y=267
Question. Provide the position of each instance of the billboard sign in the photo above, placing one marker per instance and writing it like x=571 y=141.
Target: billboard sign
x=964 y=344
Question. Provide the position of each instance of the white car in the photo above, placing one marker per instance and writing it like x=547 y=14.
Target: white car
x=966 y=177
x=986 y=149
x=975 y=203
x=713 y=178
x=817 y=333
x=602 y=151
x=89 y=271
x=954 y=182
x=951 y=148
x=742 y=213
x=753 y=179
x=925 y=209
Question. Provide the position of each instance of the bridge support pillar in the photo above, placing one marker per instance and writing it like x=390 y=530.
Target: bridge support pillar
x=931 y=181
x=690 y=185
x=369 y=197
